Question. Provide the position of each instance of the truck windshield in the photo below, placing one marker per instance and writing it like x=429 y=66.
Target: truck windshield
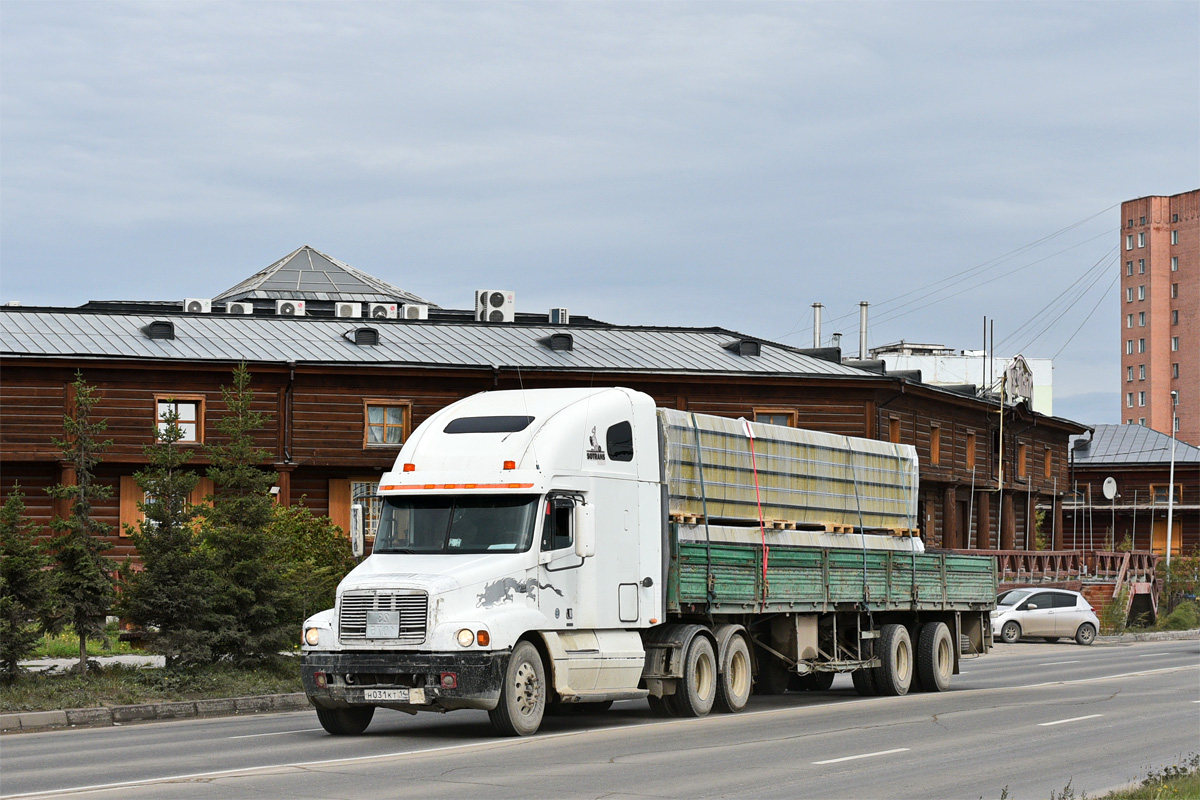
x=456 y=524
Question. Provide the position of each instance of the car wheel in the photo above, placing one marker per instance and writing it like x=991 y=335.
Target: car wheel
x=1086 y=634
x=1010 y=632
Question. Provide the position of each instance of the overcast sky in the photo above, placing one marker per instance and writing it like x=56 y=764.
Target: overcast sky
x=693 y=164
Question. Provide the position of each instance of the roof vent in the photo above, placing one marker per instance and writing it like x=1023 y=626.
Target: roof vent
x=160 y=329
x=363 y=337
x=744 y=347
x=561 y=341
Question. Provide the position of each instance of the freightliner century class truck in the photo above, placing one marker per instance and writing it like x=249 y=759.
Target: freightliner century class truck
x=556 y=547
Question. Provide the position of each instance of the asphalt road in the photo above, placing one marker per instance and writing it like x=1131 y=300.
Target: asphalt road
x=1028 y=719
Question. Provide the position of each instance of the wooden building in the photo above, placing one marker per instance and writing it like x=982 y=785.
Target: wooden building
x=346 y=365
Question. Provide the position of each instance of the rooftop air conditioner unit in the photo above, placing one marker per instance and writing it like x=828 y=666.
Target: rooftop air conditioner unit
x=559 y=316
x=493 y=305
x=347 y=310
x=239 y=308
x=196 y=305
x=289 y=308
x=414 y=311
x=384 y=310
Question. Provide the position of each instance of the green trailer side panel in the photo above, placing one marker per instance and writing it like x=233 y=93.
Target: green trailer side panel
x=807 y=579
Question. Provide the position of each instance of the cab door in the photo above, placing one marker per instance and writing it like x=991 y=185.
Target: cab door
x=558 y=568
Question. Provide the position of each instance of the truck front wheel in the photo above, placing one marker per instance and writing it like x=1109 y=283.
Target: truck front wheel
x=345 y=721
x=697 y=689
x=523 y=693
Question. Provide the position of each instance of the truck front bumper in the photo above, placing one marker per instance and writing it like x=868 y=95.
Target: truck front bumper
x=403 y=680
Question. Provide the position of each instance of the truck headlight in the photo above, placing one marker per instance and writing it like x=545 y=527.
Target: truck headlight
x=312 y=636
x=466 y=637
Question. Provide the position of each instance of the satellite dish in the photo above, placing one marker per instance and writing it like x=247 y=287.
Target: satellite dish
x=1110 y=488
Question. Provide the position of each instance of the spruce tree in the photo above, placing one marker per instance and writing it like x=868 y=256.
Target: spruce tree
x=26 y=586
x=84 y=577
x=248 y=597
x=169 y=597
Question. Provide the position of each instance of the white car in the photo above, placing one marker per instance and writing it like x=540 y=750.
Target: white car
x=1050 y=614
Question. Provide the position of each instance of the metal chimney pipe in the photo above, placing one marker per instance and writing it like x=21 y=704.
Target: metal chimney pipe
x=817 y=324
x=862 y=329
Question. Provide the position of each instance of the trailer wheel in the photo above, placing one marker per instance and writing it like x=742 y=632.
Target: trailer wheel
x=772 y=675
x=818 y=681
x=896 y=672
x=697 y=689
x=345 y=721
x=864 y=682
x=523 y=693
x=736 y=677
x=935 y=658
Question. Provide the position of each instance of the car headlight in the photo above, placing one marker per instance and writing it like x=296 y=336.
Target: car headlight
x=466 y=637
x=312 y=636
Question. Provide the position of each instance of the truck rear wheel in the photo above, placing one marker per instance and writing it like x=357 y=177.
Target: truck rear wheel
x=345 y=721
x=772 y=676
x=697 y=689
x=523 y=693
x=736 y=677
x=894 y=676
x=864 y=682
x=935 y=657
x=813 y=682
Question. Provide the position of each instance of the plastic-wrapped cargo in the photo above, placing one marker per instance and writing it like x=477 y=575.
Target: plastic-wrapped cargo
x=804 y=477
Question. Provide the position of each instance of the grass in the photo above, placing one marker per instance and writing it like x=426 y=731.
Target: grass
x=66 y=645
x=120 y=685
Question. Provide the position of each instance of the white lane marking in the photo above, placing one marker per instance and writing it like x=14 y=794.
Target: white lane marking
x=1149 y=655
x=864 y=755
x=1137 y=674
x=1057 y=663
x=276 y=733
x=1063 y=721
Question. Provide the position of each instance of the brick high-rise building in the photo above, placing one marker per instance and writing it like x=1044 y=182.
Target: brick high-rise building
x=1160 y=312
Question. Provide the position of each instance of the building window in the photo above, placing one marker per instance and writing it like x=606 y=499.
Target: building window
x=1141 y=372
x=1177 y=424
x=1128 y=267
x=1129 y=241
x=1141 y=319
x=1174 y=218
x=1129 y=295
x=894 y=430
x=1047 y=463
x=1174 y=370
x=131 y=515
x=191 y=415
x=1174 y=237
x=971 y=451
x=1141 y=345
x=1128 y=374
x=1175 y=317
x=1129 y=224
x=935 y=445
x=386 y=422
x=1022 y=471
x=1142 y=292
x=1158 y=493
x=1141 y=399
x=1129 y=400
x=775 y=416
x=1174 y=263
x=1141 y=238
x=1143 y=221
x=1142 y=421
x=1174 y=344
x=1129 y=320
x=1129 y=347
x=1174 y=290
x=1141 y=266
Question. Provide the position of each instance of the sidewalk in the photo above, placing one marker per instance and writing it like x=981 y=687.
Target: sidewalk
x=261 y=704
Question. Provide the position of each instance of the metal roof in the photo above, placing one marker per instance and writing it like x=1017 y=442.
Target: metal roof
x=308 y=274
x=1130 y=444
x=70 y=333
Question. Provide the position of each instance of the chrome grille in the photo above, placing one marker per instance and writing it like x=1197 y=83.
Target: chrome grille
x=413 y=608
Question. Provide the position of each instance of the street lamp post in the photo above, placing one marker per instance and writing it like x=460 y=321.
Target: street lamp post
x=1171 y=478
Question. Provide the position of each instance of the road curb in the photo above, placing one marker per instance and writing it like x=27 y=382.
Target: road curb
x=1150 y=636
x=148 y=712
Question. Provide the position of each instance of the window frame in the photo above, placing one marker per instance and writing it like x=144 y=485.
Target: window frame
x=385 y=403
x=789 y=413
x=1141 y=239
x=1156 y=487
x=198 y=399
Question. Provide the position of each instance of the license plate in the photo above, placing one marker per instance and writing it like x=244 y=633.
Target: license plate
x=385 y=695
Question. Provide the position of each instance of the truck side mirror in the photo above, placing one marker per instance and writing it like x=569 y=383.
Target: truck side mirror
x=585 y=531
x=356 y=530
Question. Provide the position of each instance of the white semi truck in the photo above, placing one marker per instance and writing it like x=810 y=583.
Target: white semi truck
x=546 y=548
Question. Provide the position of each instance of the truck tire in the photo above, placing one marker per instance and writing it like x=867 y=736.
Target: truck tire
x=696 y=691
x=864 y=682
x=660 y=706
x=1011 y=632
x=772 y=676
x=523 y=693
x=816 y=681
x=935 y=657
x=736 y=677
x=345 y=721
x=895 y=674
